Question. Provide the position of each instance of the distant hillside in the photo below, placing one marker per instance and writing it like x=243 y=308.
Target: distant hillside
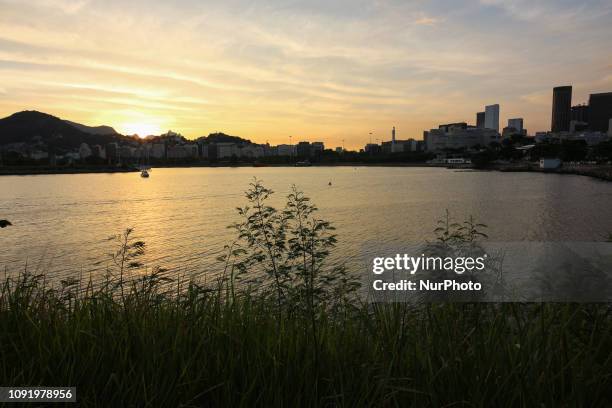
x=223 y=138
x=93 y=130
x=32 y=126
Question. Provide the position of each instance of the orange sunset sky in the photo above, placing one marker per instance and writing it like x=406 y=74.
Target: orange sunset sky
x=316 y=70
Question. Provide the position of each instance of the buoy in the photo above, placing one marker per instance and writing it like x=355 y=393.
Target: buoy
x=330 y=183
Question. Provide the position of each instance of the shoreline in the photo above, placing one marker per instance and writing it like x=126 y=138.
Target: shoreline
x=33 y=171
x=600 y=172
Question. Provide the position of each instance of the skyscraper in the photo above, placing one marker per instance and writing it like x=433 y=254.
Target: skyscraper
x=480 y=119
x=580 y=113
x=561 y=108
x=516 y=123
x=492 y=117
x=600 y=111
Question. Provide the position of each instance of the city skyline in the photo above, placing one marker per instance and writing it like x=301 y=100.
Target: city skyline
x=265 y=71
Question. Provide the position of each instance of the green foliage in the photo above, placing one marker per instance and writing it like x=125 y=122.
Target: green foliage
x=451 y=232
x=283 y=253
x=461 y=240
x=483 y=158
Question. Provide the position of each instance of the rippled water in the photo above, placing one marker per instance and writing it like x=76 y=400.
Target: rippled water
x=62 y=222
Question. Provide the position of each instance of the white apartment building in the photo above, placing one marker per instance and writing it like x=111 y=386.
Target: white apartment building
x=459 y=138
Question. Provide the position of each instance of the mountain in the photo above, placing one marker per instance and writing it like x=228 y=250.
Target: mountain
x=93 y=130
x=223 y=138
x=33 y=126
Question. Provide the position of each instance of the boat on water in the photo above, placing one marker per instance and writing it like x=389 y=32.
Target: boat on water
x=304 y=163
x=144 y=173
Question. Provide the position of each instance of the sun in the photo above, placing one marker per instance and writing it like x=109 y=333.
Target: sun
x=140 y=129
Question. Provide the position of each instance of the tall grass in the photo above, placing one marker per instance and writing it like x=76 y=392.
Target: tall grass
x=149 y=348
x=151 y=342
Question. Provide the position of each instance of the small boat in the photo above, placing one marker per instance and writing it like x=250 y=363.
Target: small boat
x=144 y=173
x=304 y=163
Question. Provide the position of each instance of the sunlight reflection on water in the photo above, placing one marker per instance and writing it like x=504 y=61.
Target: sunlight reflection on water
x=62 y=222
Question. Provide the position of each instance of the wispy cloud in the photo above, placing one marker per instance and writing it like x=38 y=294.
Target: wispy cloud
x=428 y=21
x=266 y=69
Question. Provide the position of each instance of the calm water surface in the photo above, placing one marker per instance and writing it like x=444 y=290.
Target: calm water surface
x=62 y=222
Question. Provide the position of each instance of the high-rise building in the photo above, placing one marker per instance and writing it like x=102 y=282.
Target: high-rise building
x=600 y=111
x=516 y=123
x=580 y=113
x=303 y=149
x=561 y=108
x=480 y=119
x=492 y=117
x=393 y=135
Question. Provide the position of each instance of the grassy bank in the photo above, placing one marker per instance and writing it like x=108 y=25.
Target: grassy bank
x=151 y=348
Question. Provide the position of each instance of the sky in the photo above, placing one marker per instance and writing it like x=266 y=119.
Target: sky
x=319 y=70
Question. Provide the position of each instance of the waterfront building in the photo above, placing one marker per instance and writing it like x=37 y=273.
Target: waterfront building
x=516 y=123
x=186 y=151
x=458 y=137
x=98 y=151
x=509 y=131
x=158 y=151
x=285 y=150
x=453 y=126
x=492 y=117
x=480 y=119
x=591 y=138
x=126 y=152
x=372 y=148
x=203 y=150
x=399 y=146
x=191 y=151
x=600 y=111
x=550 y=163
x=226 y=150
x=303 y=149
x=541 y=137
x=317 y=148
x=561 y=108
x=580 y=113
x=39 y=155
x=112 y=151
x=250 y=150
x=411 y=145
x=577 y=126
x=84 y=151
